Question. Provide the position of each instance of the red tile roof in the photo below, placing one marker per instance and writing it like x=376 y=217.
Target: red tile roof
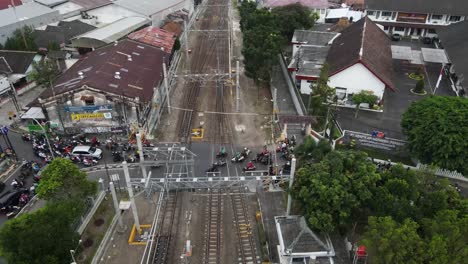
x=138 y=76
x=156 y=37
x=5 y=3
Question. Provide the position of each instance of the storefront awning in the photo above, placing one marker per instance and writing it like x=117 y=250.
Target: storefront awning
x=33 y=113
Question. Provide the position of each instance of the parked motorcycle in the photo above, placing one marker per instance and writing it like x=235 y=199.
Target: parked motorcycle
x=238 y=157
x=89 y=162
x=250 y=167
x=222 y=153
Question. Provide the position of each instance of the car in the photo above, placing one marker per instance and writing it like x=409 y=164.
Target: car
x=396 y=37
x=11 y=198
x=87 y=151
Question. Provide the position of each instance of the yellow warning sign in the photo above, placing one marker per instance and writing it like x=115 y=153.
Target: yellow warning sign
x=197 y=133
x=76 y=117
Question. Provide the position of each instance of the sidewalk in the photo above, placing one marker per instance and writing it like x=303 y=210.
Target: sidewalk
x=7 y=107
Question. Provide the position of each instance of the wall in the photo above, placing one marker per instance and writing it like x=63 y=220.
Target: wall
x=305 y=87
x=357 y=78
x=7 y=30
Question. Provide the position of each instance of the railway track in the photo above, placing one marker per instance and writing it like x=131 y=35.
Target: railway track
x=204 y=60
x=165 y=234
x=213 y=228
x=247 y=253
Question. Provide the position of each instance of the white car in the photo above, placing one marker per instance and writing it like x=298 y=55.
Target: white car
x=87 y=151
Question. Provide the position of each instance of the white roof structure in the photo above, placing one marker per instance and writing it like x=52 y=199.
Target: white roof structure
x=33 y=112
x=51 y=3
x=400 y=52
x=338 y=13
x=110 y=33
x=148 y=7
x=23 y=12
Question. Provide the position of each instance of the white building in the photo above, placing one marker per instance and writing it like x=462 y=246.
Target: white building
x=359 y=59
x=416 y=18
x=29 y=14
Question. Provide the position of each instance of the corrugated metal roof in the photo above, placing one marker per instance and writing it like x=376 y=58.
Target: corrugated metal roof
x=142 y=72
x=112 y=32
x=23 y=12
x=148 y=7
x=6 y=3
x=51 y=3
x=156 y=37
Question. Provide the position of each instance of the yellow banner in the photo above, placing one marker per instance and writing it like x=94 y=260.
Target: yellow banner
x=76 y=117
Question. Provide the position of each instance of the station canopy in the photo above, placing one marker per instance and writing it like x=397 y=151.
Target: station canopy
x=419 y=57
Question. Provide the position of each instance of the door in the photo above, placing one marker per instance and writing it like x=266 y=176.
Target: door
x=419 y=32
x=411 y=31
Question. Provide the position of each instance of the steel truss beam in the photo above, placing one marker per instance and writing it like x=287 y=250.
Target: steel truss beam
x=208 y=182
x=203 y=77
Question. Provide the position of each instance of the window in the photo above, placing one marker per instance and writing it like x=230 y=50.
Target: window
x=340 y=93
x=437 y=17
x=88 y=100
x=386 y=14
x=371 y=13
x=455 y=18
x=385 y=28
x=399 y=29
x=431 y=30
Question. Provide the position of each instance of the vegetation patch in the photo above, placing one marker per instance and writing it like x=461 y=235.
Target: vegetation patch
x=416 y=76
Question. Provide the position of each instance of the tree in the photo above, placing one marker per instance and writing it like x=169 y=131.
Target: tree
x=447 y=237
x=63 y=180
x=44 y=72
x=436 y=128
x=292 y=17
x=22 y=39
x=333 y=191
x=321 y=93
x=45 y=236
x=419 y=88
x=389 y=242
x=364 y=97
x=310 y=150
x=53 y=46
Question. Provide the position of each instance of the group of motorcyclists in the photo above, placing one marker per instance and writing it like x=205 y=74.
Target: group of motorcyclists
x=285 y=148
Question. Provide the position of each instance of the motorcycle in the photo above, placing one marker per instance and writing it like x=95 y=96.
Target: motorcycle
x=26 y=137
x=246 y=152
x=238 y=157
x=213 y=168
x=89 y=162
x=17 y=184
x=220 y=163
x=147 y=143
x=222 y=153
x=117 y=156
x=250 y=167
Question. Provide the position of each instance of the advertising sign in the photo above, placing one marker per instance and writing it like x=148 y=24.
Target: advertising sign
x=412 y=18
x=375 y=141
x=88 y=108
x=77 y=117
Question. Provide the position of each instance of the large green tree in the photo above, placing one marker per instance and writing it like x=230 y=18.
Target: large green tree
x=45 y=236
x=22 y=39
x=265 y=33
x=294 y=16
x=63 y=180
x=389 y=242
x=436 y=128
x=44 y=72
x=364 y=97
x=333 y=191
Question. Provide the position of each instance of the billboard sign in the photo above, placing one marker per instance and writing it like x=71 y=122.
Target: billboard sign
x=88 y=108
x=90 y=116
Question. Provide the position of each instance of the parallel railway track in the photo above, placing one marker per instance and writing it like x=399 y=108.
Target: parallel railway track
x=213 y=228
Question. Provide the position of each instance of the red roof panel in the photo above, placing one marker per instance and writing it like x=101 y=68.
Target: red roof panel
x=156 y=37
x=5 y=3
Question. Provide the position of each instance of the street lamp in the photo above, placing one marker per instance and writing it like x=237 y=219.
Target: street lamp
x=72 y=252
x=46 y=137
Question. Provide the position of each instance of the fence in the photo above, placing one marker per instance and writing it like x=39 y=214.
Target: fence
x=84 y=221
x=295 y=95
x=437 y=171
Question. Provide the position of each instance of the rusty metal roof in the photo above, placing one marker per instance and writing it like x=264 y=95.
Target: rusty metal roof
x=156 y=37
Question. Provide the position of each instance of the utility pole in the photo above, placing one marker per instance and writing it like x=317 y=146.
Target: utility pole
x=291 y=181
x=142 y=158
x=58 y=105
x=131 y=196
x=275 y=103
x=237 y=86
x=229 y=38
x=116 y=205
x=186 y=46
x=166 y=87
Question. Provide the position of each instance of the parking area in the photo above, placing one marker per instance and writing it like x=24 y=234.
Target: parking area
x=396 y=102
